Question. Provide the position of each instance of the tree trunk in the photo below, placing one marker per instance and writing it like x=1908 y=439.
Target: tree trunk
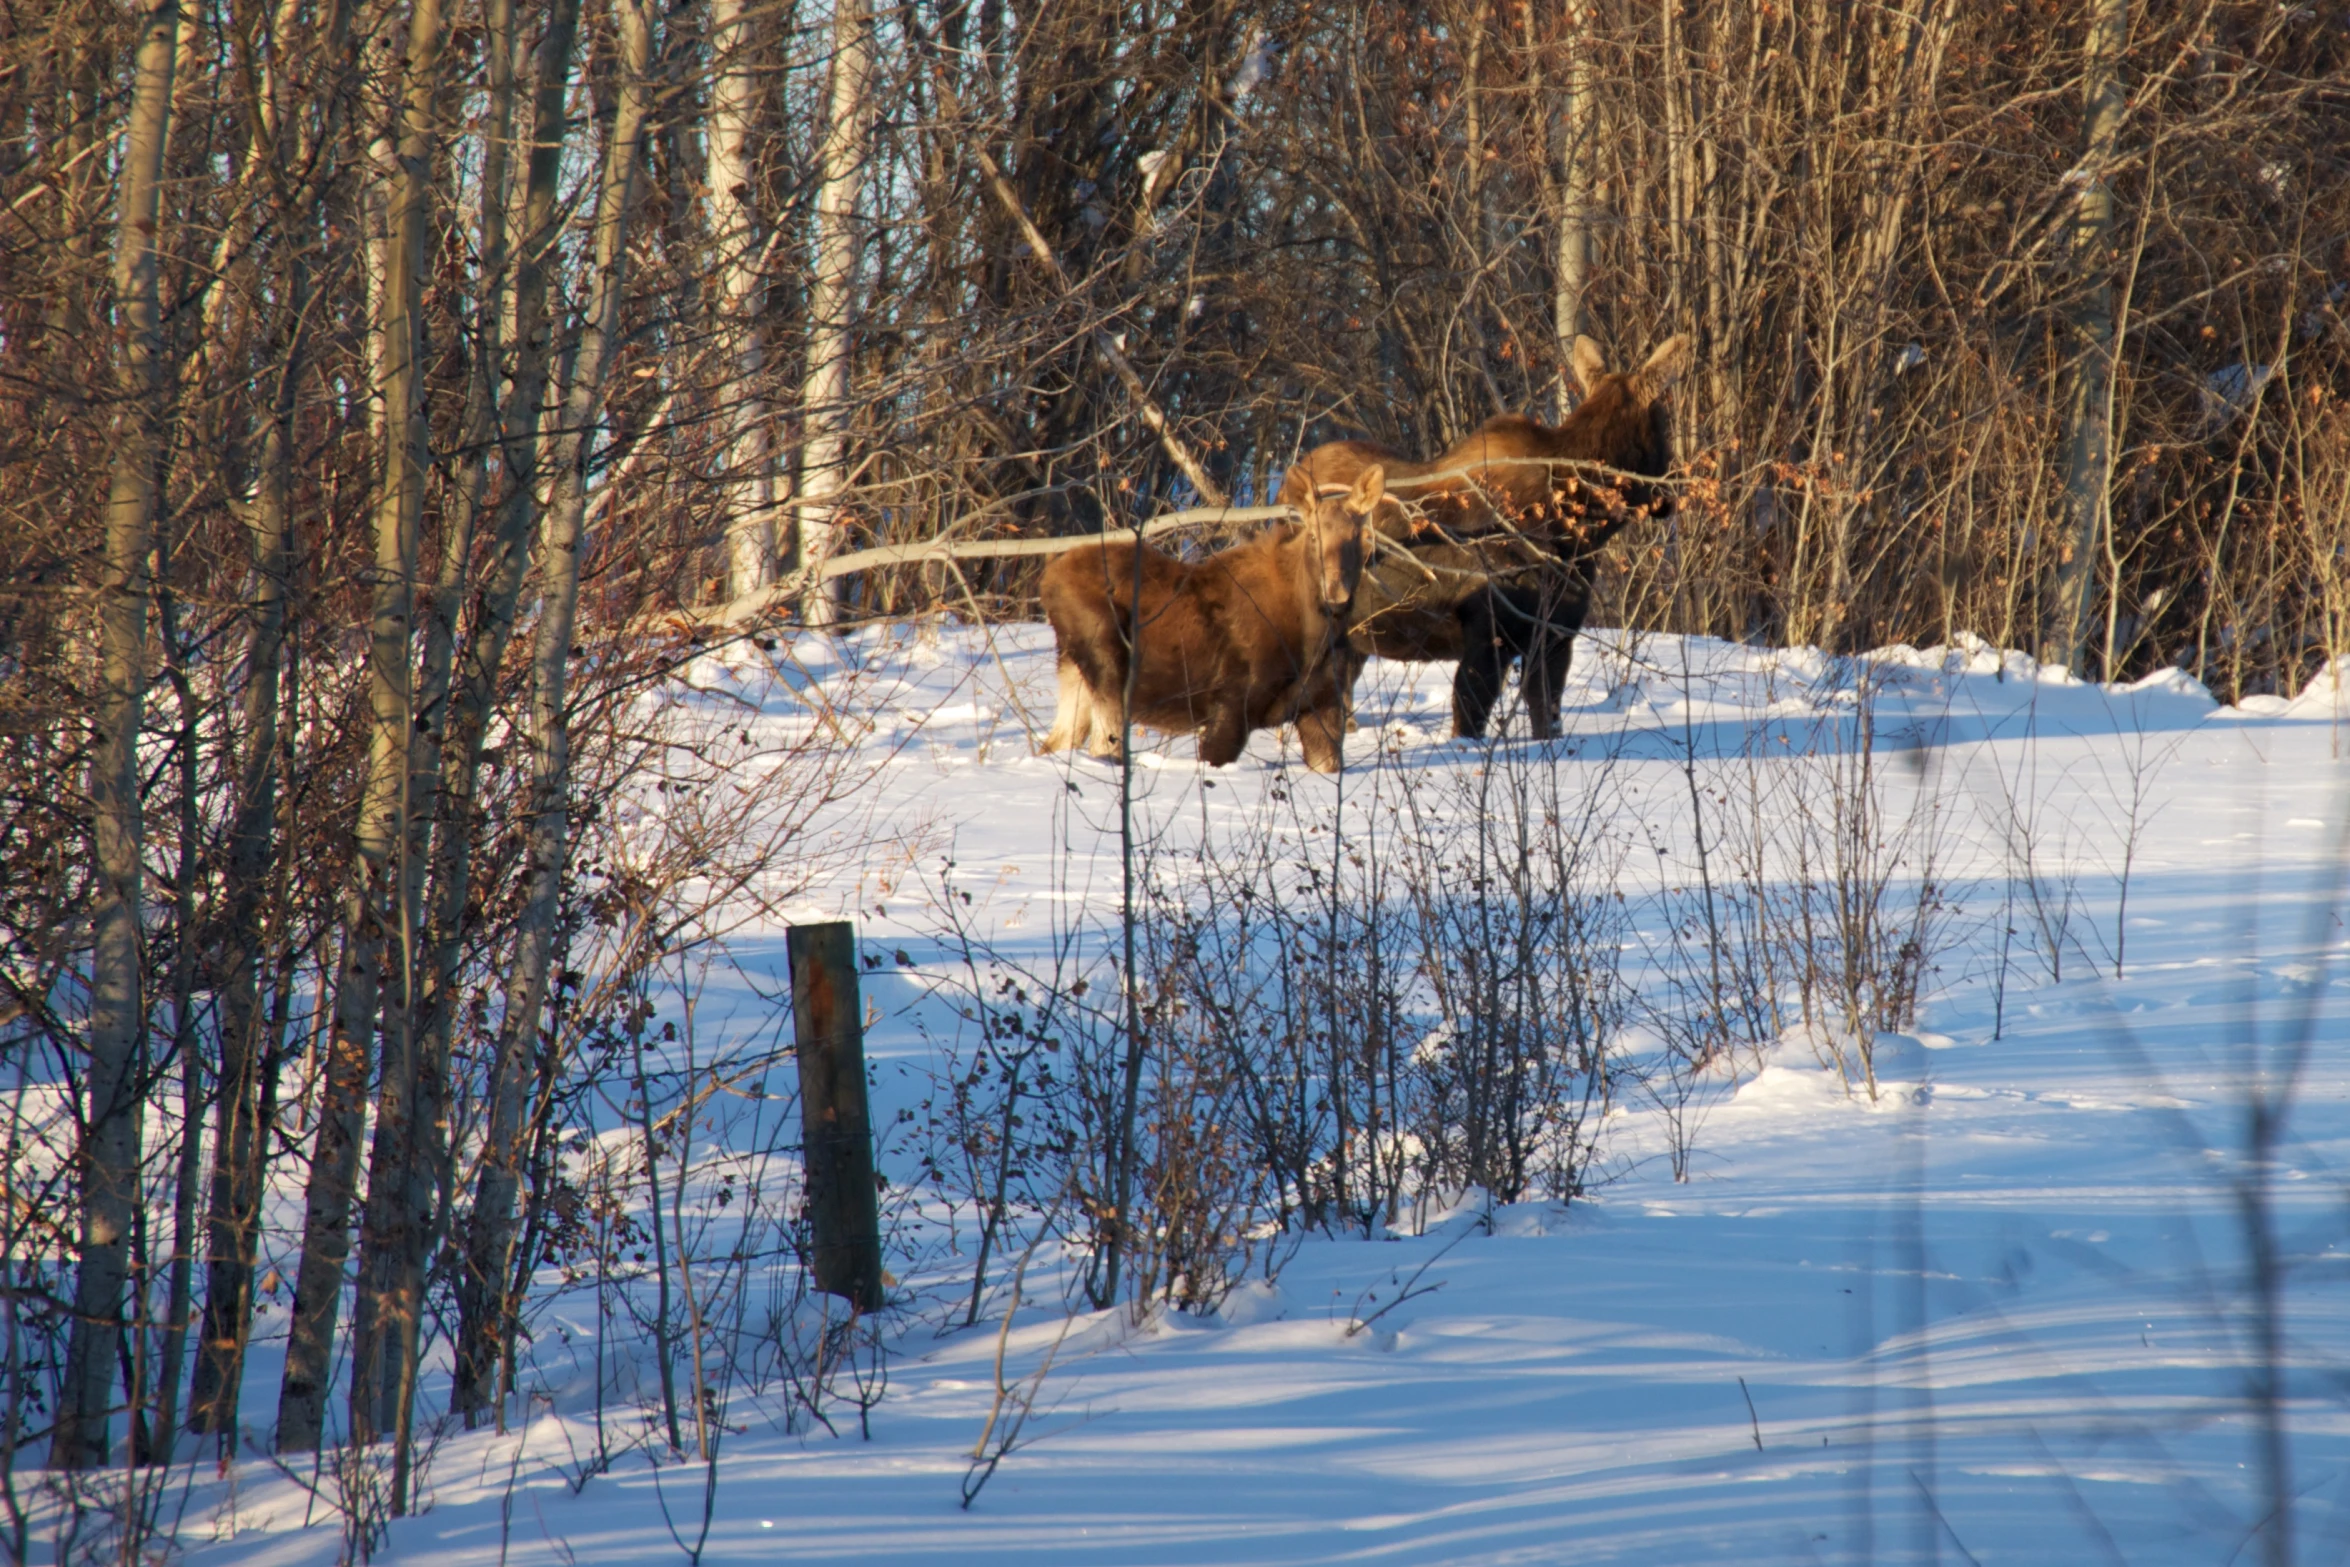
x=1578 y=159
x=239 y=1153
x=2088 y=417
x=376 y=930
x=480 y=1294
x=824 y=400
x=559 y=555
x=408 y=1179
x=245 y=1091
x=109 y=1155
x=734 y=234
x=391 y=1226
x=156 y=1436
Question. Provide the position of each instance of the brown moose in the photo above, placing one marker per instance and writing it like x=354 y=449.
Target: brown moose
x=1250 y=638
x=1498 y=565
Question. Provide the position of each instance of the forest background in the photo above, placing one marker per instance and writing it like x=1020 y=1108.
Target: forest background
x=392 y=392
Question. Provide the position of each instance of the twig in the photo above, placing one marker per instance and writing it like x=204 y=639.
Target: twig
x=1105 y=342
x=984 y=1460
x=1356 y=1322
x=1003 y=1341
x=1931 y=1506
x=1752 y=1419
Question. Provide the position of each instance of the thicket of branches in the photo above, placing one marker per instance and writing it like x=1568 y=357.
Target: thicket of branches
x=373 y=375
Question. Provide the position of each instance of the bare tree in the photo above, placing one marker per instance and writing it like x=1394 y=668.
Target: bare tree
x=528 y=979
x=1578 y=160
x=736 y=35
x=2088 y=416
x=113 y=1093
x=826 y=412
x=379 y=923
x=482 y=1302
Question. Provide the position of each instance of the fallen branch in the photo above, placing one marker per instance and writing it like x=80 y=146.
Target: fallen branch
x=756 y=605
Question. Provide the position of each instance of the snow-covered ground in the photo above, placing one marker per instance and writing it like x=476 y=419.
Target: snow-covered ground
x=1999 y=1313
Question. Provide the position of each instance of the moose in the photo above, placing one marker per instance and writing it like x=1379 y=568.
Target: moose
x=1498 y=564
x=1250 y=638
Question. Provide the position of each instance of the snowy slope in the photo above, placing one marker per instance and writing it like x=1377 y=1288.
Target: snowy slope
x=2000 y=1312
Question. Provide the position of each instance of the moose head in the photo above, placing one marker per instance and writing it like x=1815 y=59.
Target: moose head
x=1334 y=534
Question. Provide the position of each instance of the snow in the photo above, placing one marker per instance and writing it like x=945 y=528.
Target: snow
x=1999 y=1312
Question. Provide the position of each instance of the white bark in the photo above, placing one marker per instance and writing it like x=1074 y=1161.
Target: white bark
x=824 y=399
x=406 y=1171
x=736 y=249
x=109 y=1156
x=562 y=543
x=1578 y=158
x=2088 y=463
x=378 y=924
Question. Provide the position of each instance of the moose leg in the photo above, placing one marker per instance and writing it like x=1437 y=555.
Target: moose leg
x=1348 y=664
x=1225 y=733
x=1550 y=649
x=1108 y=716
x=1321 y=733
x=1486 y=652
x=1100 y=701
x=1545 y=679
x=1073 y=710
x=1555 y=615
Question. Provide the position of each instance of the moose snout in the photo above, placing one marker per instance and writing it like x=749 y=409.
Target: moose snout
x=1339 y=578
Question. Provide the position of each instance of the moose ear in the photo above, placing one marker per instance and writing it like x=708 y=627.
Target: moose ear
x=1589 y=362
x=1365 y=496
x=1664 y=367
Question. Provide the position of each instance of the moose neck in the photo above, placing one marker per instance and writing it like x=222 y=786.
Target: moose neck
x=1612 y=420
x=1304 y=547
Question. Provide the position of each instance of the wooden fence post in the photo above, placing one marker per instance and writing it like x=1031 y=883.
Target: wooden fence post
x=828 y=1026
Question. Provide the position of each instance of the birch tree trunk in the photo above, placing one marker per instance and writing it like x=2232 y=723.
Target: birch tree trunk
x=559 y=555
x=407 y=1175
x=376 y=928
x=109 y=1155
x=238 y=1155
x=2088 y=457
x=1579 y=161
x=824 y=399
x=480 y=1292
x=734 y=238
x=246 y=1086
x=152 y=1439
x=390 y=1226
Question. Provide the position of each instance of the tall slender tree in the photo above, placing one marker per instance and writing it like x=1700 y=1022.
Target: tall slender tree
x=481 y=1291
x=292 y=159
x=2088 y=408
x=740 y=255
x=825 y=408
x=378 y=929
x=108 y=1157
x=1578 y=116
x=561 y=544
